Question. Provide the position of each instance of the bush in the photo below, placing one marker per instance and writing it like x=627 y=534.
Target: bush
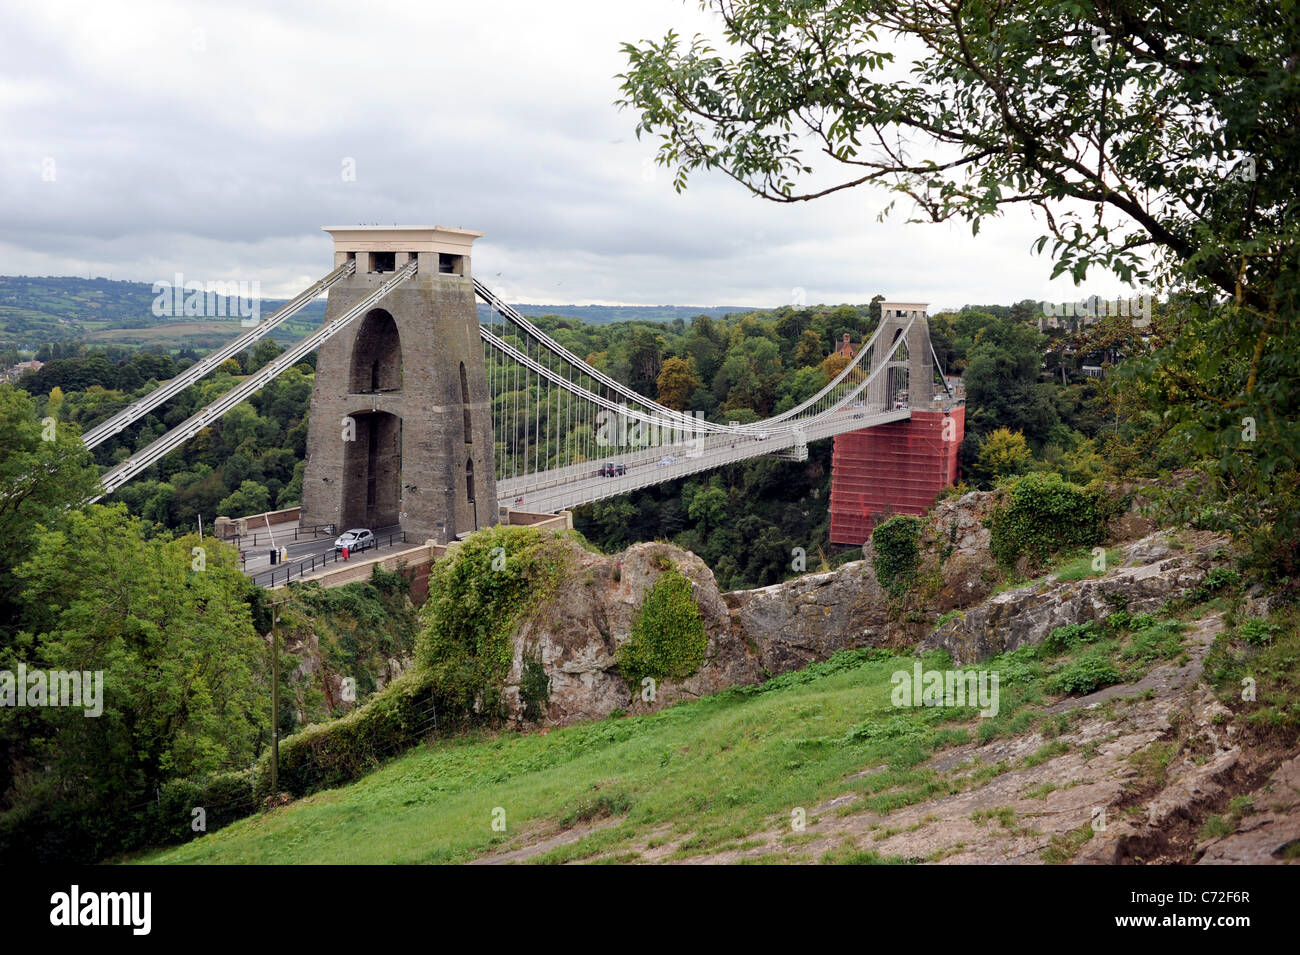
x=477 y=595
x=1158 y=641
x=1044 y=515
x=1084 y=675
x=330 y=754
x=1217 y=581
x=1256 y=632
x=668 y=639
x=1071 y=637
x=224 y=798
x=534 y=687
x=896 y=553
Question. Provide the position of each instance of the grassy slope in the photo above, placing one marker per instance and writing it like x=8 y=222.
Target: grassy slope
x=716 y=770
x=720 y=767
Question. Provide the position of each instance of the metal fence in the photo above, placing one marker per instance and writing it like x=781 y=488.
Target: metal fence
x=308 y=565
x=268 y=537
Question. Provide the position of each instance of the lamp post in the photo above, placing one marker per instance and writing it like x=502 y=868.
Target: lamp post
x=275 y=696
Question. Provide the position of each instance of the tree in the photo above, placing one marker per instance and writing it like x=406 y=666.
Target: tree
x=707 y=507
x=44 y=471
x=644 y=358
x=1002 y=382
x=750 y=375
x=263 y=352
x=1014 y=104
x=834 y=363
x=173 y=639
x=810 y=350
x=1003 y=453
x=803 y=384
x=677 y=382
x=705 y=345
x=251 y=498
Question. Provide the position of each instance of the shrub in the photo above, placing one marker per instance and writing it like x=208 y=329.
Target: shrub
x=896 y=552
x=534 y=687
x=1070 y=637
x=1087 y=673
x=1159 y=641
x=1044 y=515
x=1218 y=580
x=1256 y=632
x=477 y=595
x=333 y=753
x=1020 y=666
x=224 y=798
x=668 y=638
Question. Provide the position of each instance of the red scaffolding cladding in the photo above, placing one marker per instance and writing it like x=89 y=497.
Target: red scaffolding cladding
x=899 y=467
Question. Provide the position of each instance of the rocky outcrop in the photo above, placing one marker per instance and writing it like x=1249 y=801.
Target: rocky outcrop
x=756 y=634
x=789 y=625
x=576 y=634
x=1153 y=572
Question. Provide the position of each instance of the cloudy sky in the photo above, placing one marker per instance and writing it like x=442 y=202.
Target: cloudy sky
x=145 y=138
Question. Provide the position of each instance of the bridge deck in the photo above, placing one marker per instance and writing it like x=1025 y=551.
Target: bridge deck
x=577 y=484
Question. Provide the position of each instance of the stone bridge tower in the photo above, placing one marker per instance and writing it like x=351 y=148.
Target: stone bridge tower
x=919 y=360
x=401 y=426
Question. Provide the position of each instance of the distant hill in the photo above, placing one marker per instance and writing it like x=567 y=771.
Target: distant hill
x=608 y=314
x=38 y=310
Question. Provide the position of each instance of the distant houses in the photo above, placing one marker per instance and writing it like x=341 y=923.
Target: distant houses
x=14 y=372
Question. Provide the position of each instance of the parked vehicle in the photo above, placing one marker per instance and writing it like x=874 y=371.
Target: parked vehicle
x=355 y=540
x=612 y=469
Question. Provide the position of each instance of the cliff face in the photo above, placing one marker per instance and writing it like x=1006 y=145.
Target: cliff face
x=756 y=634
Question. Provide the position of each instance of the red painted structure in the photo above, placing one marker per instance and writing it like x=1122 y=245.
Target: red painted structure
x=899 y=467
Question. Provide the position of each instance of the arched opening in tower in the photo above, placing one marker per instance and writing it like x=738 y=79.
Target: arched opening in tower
x=377 y=355
x=372 y=471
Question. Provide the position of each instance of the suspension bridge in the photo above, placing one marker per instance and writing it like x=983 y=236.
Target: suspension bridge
x=425 y=417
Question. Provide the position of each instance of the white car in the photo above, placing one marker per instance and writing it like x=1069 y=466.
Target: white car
x=665 y=461
x=354 y=540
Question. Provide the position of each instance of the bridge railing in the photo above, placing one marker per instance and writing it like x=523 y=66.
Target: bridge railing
x=309 y=565
x=245 y=541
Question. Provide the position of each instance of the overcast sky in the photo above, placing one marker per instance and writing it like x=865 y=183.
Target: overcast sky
x=146 y=138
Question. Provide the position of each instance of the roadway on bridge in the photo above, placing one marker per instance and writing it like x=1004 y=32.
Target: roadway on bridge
x=257 y=560
x=562 y=488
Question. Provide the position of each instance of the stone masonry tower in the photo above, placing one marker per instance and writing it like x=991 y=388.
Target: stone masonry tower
x=919 y=362
x=401 y=426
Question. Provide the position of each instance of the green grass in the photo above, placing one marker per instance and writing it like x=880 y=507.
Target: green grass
x=1064 y=848
x=712 y=771
x=1080 y=567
